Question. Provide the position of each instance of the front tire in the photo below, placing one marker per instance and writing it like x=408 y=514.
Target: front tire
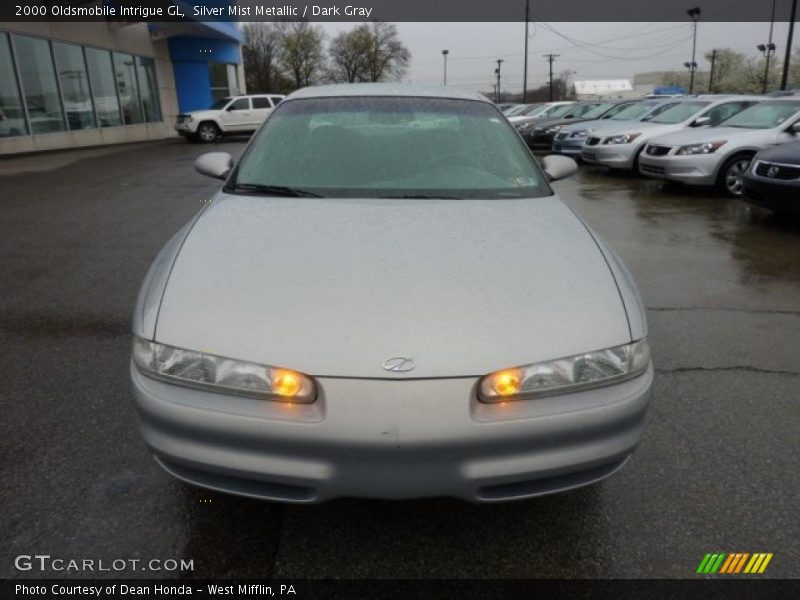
x=729 y=181
x=207 y=132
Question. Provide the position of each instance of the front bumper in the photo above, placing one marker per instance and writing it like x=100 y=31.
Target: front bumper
x=568 y=146
x=778 y=195
x=539 y=142
x=616 y=156
x=697 y=169
x=186 y=127
x=391 y=439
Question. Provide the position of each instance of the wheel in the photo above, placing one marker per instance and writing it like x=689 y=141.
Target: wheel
x=207 y=132
x=730 y=175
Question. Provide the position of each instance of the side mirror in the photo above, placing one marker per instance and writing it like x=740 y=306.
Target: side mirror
x=214 y=164
x=795 y=128
x=700 y=121
x=558 y=167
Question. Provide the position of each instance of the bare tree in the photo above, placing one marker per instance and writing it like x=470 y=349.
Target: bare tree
x=261 y=54
x=302 y=55
x=369 y=52
x=388 y=58
x=348 y=55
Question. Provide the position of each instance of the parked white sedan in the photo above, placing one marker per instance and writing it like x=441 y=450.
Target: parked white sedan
x=621 y=146
x=721 y=155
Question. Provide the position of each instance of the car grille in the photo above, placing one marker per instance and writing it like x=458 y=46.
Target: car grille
x=657 y=150
x=776 y=171
x=182 y=118
x=589 y=155
x=651 y=169
x=592 y=141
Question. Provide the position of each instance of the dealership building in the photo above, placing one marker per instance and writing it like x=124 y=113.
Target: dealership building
x=68 y=85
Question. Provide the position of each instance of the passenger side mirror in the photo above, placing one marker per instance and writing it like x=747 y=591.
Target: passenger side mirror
x=795 y=128
x=700 y=121
x=214 y=164
x=558 y=167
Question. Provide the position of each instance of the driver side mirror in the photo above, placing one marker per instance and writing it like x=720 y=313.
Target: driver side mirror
x=700 y=121
x=795 y=128
x=214 y=164
x=558 y=167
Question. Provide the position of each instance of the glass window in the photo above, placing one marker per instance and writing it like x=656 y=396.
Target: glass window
x=218 y=73
x=125 y=71
x=680 y=112
x=75 y=89
x=39 y=84
x=12 y=115
x=374 y=147
x=261 y=102
x=276 y=100
x=240 y=104
x=765 y=115
x=146 y=69
x=101 y=76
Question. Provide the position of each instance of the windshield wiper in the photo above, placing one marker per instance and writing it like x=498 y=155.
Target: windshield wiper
x=270 y=190
x=421 y=197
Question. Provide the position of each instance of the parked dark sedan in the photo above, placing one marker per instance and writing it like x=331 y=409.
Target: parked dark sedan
x=539 y=134
x=773 y=180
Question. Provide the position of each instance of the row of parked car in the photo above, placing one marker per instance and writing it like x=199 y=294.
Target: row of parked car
x=746 y=146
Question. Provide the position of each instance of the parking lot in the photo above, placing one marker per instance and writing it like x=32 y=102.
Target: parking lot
x=716 y=471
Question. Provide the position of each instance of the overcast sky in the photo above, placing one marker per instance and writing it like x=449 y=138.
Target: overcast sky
x=593 y=50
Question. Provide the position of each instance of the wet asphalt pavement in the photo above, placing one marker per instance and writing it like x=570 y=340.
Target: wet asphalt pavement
x=717 y=471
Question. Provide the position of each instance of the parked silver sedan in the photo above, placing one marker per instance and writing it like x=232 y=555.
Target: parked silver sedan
x=386 y=299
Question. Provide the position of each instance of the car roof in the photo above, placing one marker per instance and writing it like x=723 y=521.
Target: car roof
x=345 y=90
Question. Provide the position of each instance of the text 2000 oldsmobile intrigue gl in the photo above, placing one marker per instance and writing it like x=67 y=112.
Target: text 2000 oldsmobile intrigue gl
x=387 y=300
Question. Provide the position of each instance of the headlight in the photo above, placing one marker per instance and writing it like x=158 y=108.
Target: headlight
x=582 y=133
x=625 y=138
x=592 y=369
x=524 y=127
x=217 y=373
x=553 y=130
x=705 y=148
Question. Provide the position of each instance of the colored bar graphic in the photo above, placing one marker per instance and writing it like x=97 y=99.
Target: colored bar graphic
x=734 y=563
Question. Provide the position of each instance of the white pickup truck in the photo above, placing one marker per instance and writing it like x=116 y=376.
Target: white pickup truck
x=228 y=116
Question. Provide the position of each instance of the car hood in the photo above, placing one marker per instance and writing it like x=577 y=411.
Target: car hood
x=785 y=153
x=712 y=134
x=202 y=114
x=337 y=286
x=577 y=125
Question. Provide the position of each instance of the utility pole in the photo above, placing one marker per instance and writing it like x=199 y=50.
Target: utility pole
x=525 y=68
x=711 y=75
x=550 y=58
x=444 y=54
x=497 y=72
x=694 y=13
x=785 y=77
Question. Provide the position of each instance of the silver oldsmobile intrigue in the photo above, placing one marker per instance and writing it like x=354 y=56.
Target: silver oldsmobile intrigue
x=386 y=299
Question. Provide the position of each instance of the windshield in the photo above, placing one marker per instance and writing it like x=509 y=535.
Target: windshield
x=556 y=111
x=680 y=112
x=220 y=104
x=531 y=110
x=593 y=111
x=513 y=110
x=764 y=116
x=631 y=112
x=390 y=147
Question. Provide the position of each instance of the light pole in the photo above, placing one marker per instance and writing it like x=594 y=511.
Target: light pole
x=694 y=14
x=525 y=67
x=444 y=54
x=500 y=61
x=790 y=36
x=768 y=49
